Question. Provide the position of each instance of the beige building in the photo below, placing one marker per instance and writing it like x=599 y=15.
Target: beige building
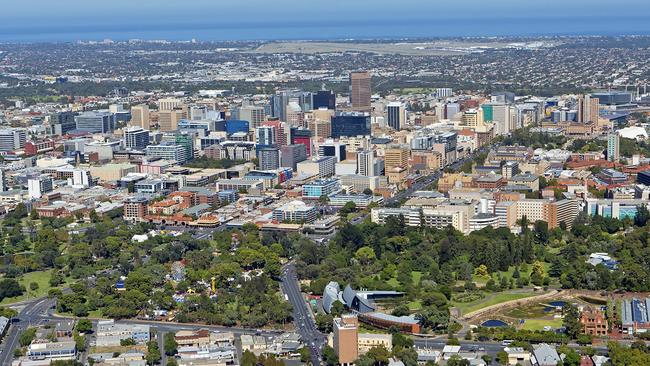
x=168 y=104
x=396 y=156
x=366 y=341
x=533 y=209
x=168 y=119
x=140 y=116
x=346 y=339
x=112 y=172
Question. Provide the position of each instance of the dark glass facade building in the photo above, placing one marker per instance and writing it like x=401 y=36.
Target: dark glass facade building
x=325 y=99
x=350 y=124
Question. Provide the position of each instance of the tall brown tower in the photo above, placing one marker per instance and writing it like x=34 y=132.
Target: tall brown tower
x=360 y=85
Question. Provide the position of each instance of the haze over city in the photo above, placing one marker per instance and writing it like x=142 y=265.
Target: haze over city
x=32 y=20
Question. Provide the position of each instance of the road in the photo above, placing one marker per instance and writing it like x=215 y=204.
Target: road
x=29 y=315
x=304 y=322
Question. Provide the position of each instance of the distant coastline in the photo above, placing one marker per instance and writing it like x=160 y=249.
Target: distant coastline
x=334 y=30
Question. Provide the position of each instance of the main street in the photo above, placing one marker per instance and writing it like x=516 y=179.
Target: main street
x=303 y=319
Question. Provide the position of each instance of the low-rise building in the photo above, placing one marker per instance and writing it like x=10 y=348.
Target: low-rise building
x=110 y=333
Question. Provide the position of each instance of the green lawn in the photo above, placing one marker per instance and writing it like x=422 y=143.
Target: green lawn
x=539 y=324
x=508 y=274
x=42 y=278
x=415 y=275
x=491 y=299
x=415 y=305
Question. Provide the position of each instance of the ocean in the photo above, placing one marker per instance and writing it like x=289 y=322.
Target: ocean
x=334 y=29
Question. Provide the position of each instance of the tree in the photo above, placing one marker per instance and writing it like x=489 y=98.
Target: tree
x=571 y=320
x=642 y=215
x=365 y=255
x=367 y=191
x=27 y=337
x=84 y=326
x=33 y=286
x=329 y=356
x=248 y=358
x=482 y=271
x=171 y=347
x=502 y=358
x=379 y=354
x=153 y=353
x=9 y=287
x=337 y=308
x=305 y=354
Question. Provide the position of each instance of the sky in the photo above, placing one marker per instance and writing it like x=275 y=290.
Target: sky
x=65 y=20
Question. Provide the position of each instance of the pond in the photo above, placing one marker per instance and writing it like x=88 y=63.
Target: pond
x=494 y=323
x=554 y=305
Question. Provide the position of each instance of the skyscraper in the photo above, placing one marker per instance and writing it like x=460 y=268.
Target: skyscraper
x=255 y=115
x=140 y=116
x=613 y=143
x=396 y=115
x=366 y=163
x=588 y=109
x=360 y=91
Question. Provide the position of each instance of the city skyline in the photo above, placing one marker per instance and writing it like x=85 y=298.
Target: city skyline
x=287 y=20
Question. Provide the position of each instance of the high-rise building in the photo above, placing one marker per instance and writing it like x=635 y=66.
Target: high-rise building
x=294 y=114
x=451 y=109
x=37 y=187
x=360 y=91
x=291 y=155
x=62 y=123
x=268 y=157
x=444 y=92
x=350 y=124
x=282 y=98
x=140 y=116
x=168 y=104
x=3 y=181
x=321 y=128
x=396 y=156
x=266 y=135
x=588 y=109
x=280 y=131
x=235 y=125
x=366 y=163
x=255 y=115
x=186 y=140
x=333 y=148
x=396 y=115
x=136 y=138
x=95 y=122
x=324 y=99
x=473 y=118
x=346 y=339
x=135 y=208
x=168 y=119
x=613 y=146
x=13 y=139
x=302 y=136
